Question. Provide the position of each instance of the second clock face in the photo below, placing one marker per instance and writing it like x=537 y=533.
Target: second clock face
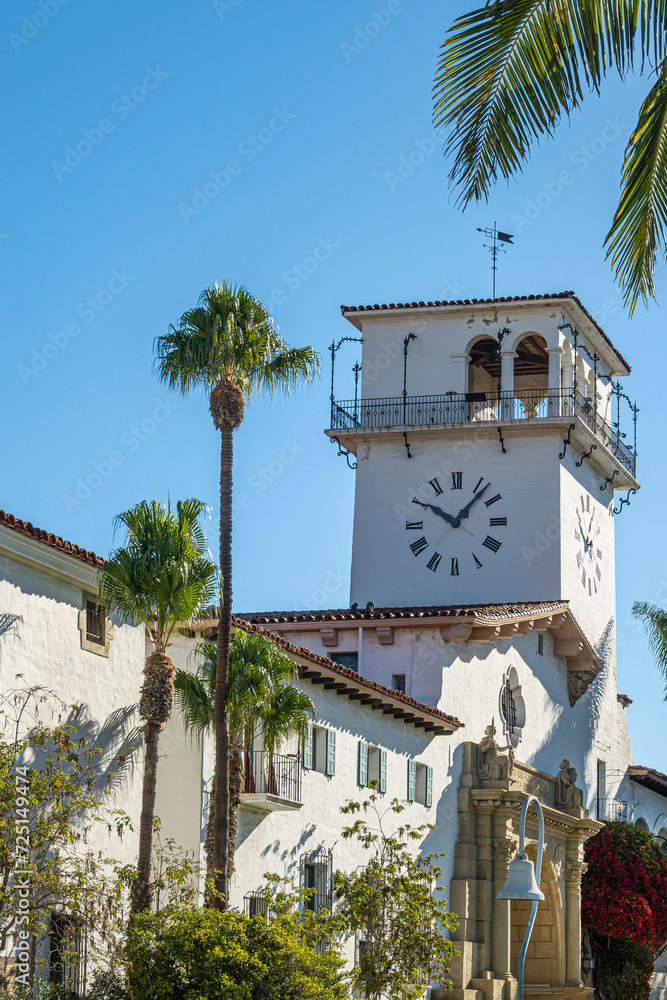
x=460 y=526
x=589 y=549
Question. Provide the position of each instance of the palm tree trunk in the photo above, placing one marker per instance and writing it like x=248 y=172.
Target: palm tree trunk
x=141 y=887
x=221 y=804
x=235 y=788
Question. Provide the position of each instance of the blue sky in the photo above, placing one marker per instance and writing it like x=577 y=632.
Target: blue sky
x=303 y=114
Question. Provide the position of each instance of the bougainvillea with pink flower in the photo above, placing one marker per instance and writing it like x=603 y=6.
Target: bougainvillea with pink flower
x=624 y=907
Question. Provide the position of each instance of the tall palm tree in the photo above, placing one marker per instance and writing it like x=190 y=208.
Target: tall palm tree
x=228 y=346
x=261 y=701
x=654 y=620
x=161 y=577
x=510 y=70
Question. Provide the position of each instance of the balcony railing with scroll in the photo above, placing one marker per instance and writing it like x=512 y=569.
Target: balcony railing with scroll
x=273 y=774
x=611 y=810
x=468 y=407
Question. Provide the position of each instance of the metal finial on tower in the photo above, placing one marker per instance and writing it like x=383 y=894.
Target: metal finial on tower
x=496 y=236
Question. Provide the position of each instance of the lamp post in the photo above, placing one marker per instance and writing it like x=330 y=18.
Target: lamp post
x=523 y=881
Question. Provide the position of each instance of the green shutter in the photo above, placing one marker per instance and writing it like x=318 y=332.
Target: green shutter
x=362 y=764
x=429 y=786
x=412 y=780
x=383 y=770
x=308 y=748
x=331 y=753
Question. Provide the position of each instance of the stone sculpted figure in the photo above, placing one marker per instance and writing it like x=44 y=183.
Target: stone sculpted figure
x=492 y=763
x=568 y=796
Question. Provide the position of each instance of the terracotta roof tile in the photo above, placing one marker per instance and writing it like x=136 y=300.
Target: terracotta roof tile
x=505 y=298
x=55 y=541
x=649 y=777
x=483 y=612
x=357 y=679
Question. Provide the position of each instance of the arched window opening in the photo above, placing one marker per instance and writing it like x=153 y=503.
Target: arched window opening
x=512 y=708
x=641 y=824
x=484 y=367
x=531 y=373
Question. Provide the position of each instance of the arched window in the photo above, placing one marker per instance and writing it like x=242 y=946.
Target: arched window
x=509 y=708
x=662 y=837
x=512 y=707
x=641 y=824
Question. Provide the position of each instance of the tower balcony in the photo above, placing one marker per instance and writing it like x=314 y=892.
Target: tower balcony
x=354 y=419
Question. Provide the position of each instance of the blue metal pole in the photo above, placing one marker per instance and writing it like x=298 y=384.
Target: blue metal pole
x=538 y=873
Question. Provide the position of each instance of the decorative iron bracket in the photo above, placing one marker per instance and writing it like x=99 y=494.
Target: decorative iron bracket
x=623 y=500
x=345 y=452
x=407 y=444
x=610 y=479
x=502 y=441
x=566 y=441
x=586 y=454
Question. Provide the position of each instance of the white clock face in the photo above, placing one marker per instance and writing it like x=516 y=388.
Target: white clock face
x=459 y=526
x=589 y=551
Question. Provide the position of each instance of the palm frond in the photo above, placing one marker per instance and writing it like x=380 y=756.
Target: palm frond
x=160 y=577
x=639 y=227
x=508 y=72
x=230 y=334
x=654 y=620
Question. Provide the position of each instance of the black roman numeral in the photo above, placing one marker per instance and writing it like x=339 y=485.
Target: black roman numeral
x=478 y=564
x=457 y=481
x=436 y=486
x=497 y=522
x=434 y=561
x=414 y=525
x=419 y=545
x=491 y=500
x=455 y=568
x=491 y=543
x=479 y=482
x=424 y=505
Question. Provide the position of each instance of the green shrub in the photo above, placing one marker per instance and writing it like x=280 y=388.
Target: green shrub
x=187 y=953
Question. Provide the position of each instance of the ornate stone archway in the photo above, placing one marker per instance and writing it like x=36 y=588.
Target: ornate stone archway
x=488 y=813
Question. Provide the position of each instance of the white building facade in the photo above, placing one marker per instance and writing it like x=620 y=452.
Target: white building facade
x=490 y=467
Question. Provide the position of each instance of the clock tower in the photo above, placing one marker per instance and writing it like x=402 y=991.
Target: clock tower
x=489 y=454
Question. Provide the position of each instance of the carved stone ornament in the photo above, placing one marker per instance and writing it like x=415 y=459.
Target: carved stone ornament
x=492 y=764
x=578 y=681
x=559 y=861
x=568 y=796
x=575 y=871
x=503 y=850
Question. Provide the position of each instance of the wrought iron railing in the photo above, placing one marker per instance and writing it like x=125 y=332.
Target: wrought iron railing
x=273 y=774
x=468 y=407
x=611 y=810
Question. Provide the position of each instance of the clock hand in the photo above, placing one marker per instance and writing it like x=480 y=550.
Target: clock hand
x=464 y=510
x=442 y=513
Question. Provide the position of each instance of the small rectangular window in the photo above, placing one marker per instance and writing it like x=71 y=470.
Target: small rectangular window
x=540 y=644
x=398 y=682
x=317 y=875
x=424 y=784
x=67 y=952
x=256 y=904
x=349 y=660
x=95 y=622
x=323 y=751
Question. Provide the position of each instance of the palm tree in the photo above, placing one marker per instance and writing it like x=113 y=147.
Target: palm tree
x=510 y=70
x=654 y=620
x=261 y=701
x=160 y=578
x=228 y=346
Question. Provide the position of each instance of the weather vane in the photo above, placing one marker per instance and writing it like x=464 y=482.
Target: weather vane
x=495 y=235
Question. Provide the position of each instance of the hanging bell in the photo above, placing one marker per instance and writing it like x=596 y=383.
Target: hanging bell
x=521 y=882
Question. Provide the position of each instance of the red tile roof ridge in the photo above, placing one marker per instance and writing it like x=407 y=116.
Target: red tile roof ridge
x=641 y=768
x=482 y=611
x=324 y=661
x=48 y=538
x=503 y=298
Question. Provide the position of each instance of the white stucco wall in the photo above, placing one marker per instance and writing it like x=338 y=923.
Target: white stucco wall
x=45 y=588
